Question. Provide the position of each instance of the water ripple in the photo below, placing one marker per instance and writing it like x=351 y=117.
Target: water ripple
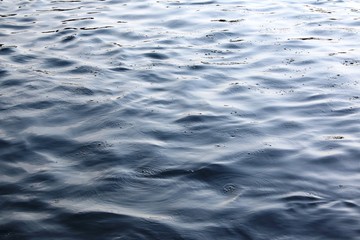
x=179 y=119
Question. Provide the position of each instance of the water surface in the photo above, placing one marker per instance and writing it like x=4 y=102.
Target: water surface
x=179 y=119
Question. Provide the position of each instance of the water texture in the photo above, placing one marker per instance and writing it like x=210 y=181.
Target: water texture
x=179 y=119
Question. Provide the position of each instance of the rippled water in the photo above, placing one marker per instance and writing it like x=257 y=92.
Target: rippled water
x=179 y=119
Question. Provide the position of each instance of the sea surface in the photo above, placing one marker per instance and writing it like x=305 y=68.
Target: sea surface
x=180 y=119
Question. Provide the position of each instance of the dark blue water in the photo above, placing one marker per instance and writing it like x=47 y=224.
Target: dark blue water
x=179 y=119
